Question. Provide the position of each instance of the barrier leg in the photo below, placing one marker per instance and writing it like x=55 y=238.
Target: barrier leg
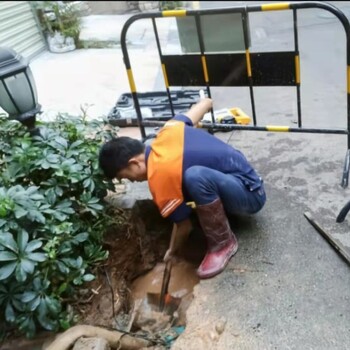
x=345 y=179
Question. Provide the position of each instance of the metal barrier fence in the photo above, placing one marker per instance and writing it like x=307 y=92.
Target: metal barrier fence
x=212 y=69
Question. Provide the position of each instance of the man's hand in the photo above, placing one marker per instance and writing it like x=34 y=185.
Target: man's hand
x=197 y=111
x=168 y=255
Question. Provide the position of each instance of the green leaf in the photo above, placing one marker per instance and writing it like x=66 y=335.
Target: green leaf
x=65 y=324
x=86 y=182
x=81 y=237
x=7 y=256
x=6 y=239
x=62 y=288
x=59 y=191
x=61 y=142
x=76 y=144
x=93 y=200
x=18 y=305
x=31 y=190
x=88 y=277
x=53 y=305
x=28 y=326
x=63 y=268
x=37 y=197
x=33 y=245
x=53 y=158
x=27 y=265
x=22 y=240
x=96 y=206
x=92 y=186
x=34 y=304
x=7 y=270
x=15 y=170
x=59 y=216
x=65 y=207
x=10 y=313
x=20 y=212
x=21 y=275
x=51 y=196
x=28 y=296
x=79 y=262
x=71 y=263
x=45 y=165
x=66 y=247
x=40 y=257
x=77 y=281
x=35 y=215
x=47 y=323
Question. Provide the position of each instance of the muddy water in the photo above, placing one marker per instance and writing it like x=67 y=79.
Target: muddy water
x=182 y=280
x=146 y=291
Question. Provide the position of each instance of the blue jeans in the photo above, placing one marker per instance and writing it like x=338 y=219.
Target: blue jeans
x=205 y=185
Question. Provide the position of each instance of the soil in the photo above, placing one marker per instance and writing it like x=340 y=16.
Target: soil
x=134 y=249
x=130 y=281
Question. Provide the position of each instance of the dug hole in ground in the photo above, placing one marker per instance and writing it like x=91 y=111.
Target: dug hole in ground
x=126 y=292
x=135 y=270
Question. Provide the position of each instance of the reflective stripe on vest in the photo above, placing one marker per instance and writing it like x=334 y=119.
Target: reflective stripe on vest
x=164 y=167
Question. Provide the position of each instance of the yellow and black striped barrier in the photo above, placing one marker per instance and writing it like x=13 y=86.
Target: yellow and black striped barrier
x=260 y=68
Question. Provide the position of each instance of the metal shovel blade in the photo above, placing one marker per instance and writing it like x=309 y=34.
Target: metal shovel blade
x=171 y=303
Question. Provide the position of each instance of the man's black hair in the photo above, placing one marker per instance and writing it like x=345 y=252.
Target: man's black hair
x=116 y=153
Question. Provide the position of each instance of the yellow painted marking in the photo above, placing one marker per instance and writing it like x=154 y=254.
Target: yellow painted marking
x=348 y=79
x=297 y=69
x=249 y=68
x=165 y=76
x=131 y=80
x=174 y=13
x=277 y=128
x=275 y=7
x=204 y=64
x=191 y=204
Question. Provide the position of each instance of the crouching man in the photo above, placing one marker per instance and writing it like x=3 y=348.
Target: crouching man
x=185 y=164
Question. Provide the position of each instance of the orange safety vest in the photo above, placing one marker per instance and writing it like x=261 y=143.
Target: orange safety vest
x=164 y=167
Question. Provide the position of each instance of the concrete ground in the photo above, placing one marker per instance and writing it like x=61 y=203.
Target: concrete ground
x=93 y=79
x=286 y=288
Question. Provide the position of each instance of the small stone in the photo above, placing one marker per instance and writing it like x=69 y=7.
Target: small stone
x=220 y=325
x=213 y=336
x=91 y=344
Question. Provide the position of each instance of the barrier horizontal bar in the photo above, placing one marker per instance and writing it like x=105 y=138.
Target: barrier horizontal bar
x=269 y=128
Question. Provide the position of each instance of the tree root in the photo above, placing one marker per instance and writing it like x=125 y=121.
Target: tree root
x=115 y=339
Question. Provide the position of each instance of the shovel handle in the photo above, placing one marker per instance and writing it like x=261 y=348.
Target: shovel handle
x=165 y=285
x=167 y=271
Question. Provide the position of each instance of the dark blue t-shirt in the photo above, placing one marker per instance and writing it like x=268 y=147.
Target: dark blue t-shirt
x=202 y=148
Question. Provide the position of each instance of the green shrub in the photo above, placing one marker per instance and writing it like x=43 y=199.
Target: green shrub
x=63 y=17
x=52 y=219
x=170 y=5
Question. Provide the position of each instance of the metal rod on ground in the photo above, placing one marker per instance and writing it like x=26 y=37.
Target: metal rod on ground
x=336 y=245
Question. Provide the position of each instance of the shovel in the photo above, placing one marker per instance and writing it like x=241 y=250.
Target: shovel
x=164 y=296
x=164 y=301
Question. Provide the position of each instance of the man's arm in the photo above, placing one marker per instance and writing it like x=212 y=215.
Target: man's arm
x=179 y=235
x=197 y=111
